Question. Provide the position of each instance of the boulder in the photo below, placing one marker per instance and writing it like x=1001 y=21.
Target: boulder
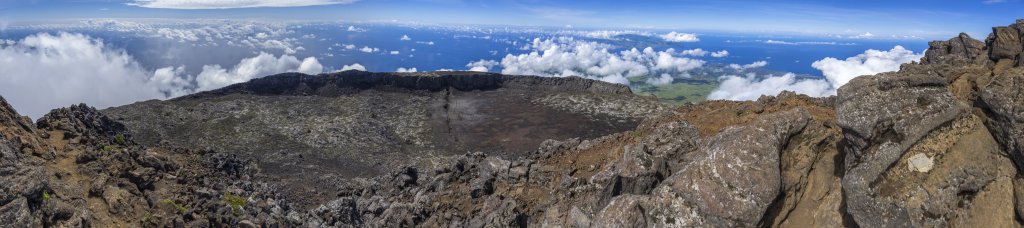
x=1004 y=43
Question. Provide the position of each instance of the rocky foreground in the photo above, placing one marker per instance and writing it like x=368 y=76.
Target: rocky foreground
x=937 y=143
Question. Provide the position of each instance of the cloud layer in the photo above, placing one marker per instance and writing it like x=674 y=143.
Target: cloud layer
x=214 y=76
x=680 y=37
x=44 y=71
x=229 y=4
x=566 y=56
x=750 y=87
x=837 y=73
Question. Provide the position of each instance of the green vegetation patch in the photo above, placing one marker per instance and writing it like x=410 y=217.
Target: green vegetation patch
x=236 y=202
x=677 y=93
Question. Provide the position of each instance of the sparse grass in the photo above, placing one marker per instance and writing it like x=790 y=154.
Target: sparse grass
x=147 y=221
x=181 y=209
x=120 y=139
x=108 y=148
x=236 y=202
x=46 y=196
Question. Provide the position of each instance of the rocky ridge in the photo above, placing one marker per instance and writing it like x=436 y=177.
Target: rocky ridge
x=934 y=144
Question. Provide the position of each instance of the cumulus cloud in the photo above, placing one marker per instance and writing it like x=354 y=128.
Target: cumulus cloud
x=44 y=71
x=229 y=4
x=839 y=72
x=720 y=54
x=425 y=42
x=482 y=65
x=405 y=37
x=368 y=49
x=405 y=70
x=355 y=29
x=750 y=87
x=694 y=52
x=680 y=37
x=565 y=56
x=609 y=34
x=354 y=66
x=753 y=65
x=214 y=76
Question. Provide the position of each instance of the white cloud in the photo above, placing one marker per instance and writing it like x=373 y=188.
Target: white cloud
x=694 y=52
x=751 y=87
x=44 y=71
x=172 y=80
x=482 y=65
x=213 y=76
x=395 y=52
x=753 y=65
x=565 y=56
x=405 y=70
x=368 y=49
x=680 y=37
x=720 y=54
x=405 y=37
x=839 y=72
x=355 y=29
x=866 y=35
x=609 y=34
x=354 y=66
x=228 y=4
x=425 y=42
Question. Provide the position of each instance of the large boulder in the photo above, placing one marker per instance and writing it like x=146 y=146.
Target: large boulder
x=731 y=183
x=1003 y=103
x=960 y=49
x=1005 y=42
x=920 y=160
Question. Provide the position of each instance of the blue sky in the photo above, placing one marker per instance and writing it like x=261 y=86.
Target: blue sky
x=927 y=19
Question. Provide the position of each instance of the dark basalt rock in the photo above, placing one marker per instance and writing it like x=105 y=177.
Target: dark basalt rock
x=362 y=124
x=960 y=49
x=353 y=81
x=86 y=122
x=879 y=130
x=1005 y=42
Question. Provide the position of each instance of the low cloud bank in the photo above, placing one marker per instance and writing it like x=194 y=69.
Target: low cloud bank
x=565 y=56
x=837 y=73
x=45 y=71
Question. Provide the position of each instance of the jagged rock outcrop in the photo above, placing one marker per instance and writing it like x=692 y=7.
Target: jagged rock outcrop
x=961 y=49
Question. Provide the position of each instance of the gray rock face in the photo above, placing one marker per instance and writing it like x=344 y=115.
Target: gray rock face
x=960 y=49
x=731 y=183
x=880 y=129
x=1005 y=42
x=22 y=183
x=738 y=175
x=1003 y=102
